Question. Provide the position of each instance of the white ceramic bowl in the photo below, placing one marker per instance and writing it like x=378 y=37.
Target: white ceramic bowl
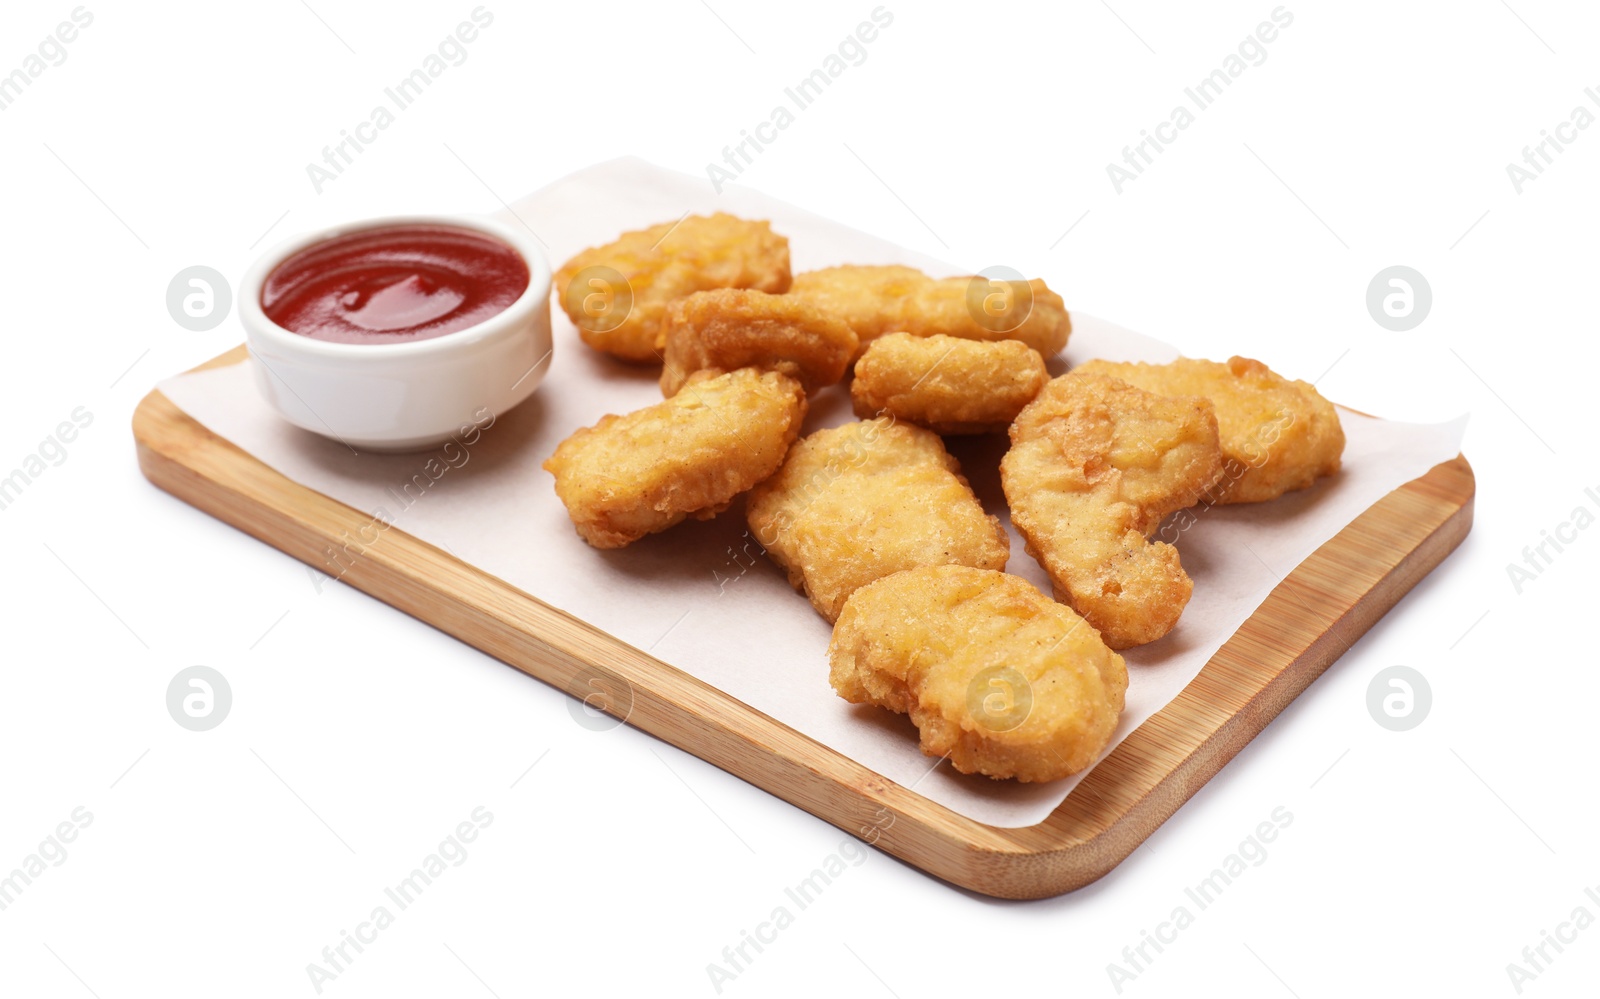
x=401 y=396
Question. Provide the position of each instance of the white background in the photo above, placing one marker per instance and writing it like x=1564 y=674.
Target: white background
x=221 y=863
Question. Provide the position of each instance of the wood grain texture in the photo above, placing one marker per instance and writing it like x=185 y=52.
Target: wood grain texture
x=1307 y=622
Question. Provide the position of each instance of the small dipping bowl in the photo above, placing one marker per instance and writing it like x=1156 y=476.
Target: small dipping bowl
x=407 y=395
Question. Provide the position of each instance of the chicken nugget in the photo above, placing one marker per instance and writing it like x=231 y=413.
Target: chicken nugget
x=617 y=294
x=1094 y=465
x=1277 y=435
x=949 y=385
x=994 y=674
x=878 y=300
x=688 y=456
x=741 y=328
x=855 y=503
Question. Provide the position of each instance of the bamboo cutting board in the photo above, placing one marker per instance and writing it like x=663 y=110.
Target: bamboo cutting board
x=1307 y=622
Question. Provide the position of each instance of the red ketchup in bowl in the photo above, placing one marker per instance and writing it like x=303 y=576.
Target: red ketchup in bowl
x=394 y=284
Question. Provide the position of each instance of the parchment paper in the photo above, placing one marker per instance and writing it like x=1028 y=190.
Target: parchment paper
x=701 y=596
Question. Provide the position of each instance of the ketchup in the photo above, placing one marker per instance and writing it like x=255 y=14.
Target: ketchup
x=394 y=284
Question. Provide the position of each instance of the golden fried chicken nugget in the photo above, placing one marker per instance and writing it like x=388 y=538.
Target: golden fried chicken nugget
x=1277 y=435
x=878 y=300
x=688 y=456
x=944 y=383
x=1093 y=467
x=994 y=674
x=741 y=328
x=617 y=294
x=855 y=503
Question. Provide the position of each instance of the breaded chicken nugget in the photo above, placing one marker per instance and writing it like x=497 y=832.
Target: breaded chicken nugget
x=994 y=674
x=949 y=385
x=1093 y=467
x=1277 y=435
x=858 y=502
x=688 y=456
x=878 y=300
x=739 y=328
x=617 y=294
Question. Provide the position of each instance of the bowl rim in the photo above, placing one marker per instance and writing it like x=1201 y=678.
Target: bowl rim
x=260 y=329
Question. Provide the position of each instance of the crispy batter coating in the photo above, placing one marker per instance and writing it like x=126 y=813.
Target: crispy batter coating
x=855 y=503
x=741 y=328
x=878 y=300
x=1093 y=467
x=995 y=674
x=949 y=385
x=688 y=456
x=1277 y=435
x=657 y=265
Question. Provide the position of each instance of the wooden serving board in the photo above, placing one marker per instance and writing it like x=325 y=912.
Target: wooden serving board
x=1306 y=623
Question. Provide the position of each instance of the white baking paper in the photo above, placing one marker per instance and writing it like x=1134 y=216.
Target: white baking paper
x=701 y=596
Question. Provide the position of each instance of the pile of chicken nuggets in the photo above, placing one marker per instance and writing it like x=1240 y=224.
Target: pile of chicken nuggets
x=874 y=522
